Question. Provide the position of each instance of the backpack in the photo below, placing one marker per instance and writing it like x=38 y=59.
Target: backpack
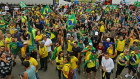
x=71 y=73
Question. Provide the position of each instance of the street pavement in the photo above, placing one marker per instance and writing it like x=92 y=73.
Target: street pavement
x=51 y=73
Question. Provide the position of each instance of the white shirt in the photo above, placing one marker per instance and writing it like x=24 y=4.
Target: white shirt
x=108 y=64
x=48 y=42
x=6 y=8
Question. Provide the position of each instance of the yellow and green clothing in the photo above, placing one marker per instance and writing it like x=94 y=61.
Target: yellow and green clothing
x=73 y=62
x=66 y=68
x=14 y=47
x=8 y=40
x=120 y=45
x=134 y=59
x=102 y=28
x=70 y=46
x=131 y=41
x=12 y=29
x=122 y=57
x=43 y=51
x=23 y=51
x=110 y=52
x=59 y=62
x=1 y=43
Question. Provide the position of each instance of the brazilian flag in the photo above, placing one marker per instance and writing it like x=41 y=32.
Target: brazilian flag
x=71 y=21
x=22 y=4
x=113 y=7
x=31 y=41
x=137 y=3
x=98 y=9
x=46 y=10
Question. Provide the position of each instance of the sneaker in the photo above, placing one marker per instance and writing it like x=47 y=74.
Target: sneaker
x=132 y=77
x=127 y=75
x=14 y=63
x=79 y=72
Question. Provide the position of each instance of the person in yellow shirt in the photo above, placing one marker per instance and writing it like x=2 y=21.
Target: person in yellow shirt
x=73 y=61
x=66 y=67
x=59 y=63
x=32 y=62
x=24 y=50
x=132 y=40
x=38 y=38
x=91 y=65
x=120 y=45
x=122 y=62
x=8 y=40
x=43 y=53
x=112 y=51
x=23 y=18
x=102 y=28
x=70 y=44
x=12 y=28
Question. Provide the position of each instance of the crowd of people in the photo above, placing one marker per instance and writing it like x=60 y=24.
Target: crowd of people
x=100 y=39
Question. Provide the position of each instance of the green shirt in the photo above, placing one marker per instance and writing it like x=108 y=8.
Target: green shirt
x=14 y=48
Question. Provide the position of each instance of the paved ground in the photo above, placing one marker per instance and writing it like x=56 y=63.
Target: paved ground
x=51 y=73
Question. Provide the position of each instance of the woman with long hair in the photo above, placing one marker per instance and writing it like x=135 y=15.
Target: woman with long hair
x=112 y=51
x=59 y=63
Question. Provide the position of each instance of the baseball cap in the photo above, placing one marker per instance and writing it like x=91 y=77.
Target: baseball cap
x=27 y=55
x=108 y=39
x=93 y=51
x=90 y=44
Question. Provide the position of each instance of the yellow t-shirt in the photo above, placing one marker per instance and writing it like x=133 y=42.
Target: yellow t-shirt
x=73 y=62
x=43 y=51
x=59 y=61
x=6 y=40
x=12 y=29
x=91 y=64
x=66 y=68
x=38 y=37
x=131 y=41
x=32 y=62
x=102 y=28
x=23 y=19
x=110 y=52
x=70 y=46
x=1 y=43
x=120 y=45
x=23 y=51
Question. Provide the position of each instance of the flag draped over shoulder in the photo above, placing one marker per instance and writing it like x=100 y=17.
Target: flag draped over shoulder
x=46 y=10
x=22 y=4
x=91 y=57
x=71 y=21
x=31 y=41
x=137 y=3
x=54 y=54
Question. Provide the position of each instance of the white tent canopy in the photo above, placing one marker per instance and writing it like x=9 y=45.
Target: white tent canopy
x=127 y=1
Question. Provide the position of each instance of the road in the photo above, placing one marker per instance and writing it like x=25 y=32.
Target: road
x=51 y=73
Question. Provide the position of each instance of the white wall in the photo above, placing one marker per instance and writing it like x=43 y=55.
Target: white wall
x=28 y=1
x=127 y=1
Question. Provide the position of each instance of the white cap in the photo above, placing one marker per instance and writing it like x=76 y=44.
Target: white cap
x=108 y=39
x=25 y=42
x=90 y=44
x=96 y=33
